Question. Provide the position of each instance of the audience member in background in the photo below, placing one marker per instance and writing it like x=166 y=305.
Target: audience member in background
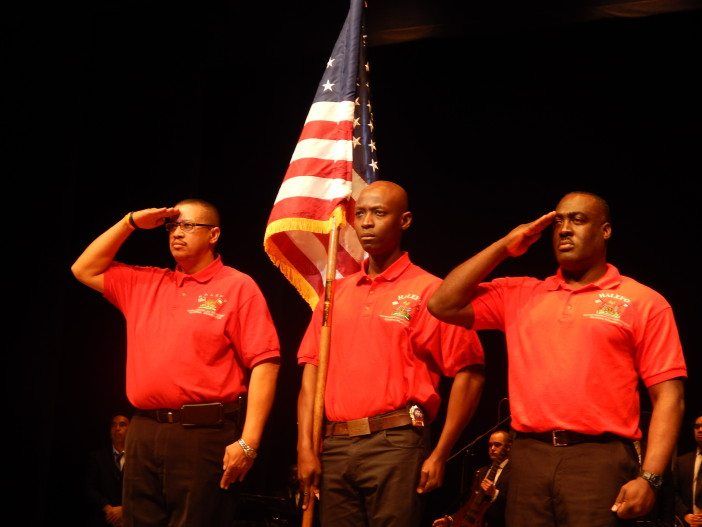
x=688 y=481
x=104 y=476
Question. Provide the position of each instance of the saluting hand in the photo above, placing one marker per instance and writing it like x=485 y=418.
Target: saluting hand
x=521 y=238
x=152 y=218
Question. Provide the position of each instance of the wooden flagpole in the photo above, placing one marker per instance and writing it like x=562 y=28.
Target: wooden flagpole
x=323 y=359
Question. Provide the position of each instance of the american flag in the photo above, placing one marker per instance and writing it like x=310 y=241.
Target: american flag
x=335 y=158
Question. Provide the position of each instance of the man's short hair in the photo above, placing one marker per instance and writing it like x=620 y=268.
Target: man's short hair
x=603 y=203
x=123 y=413
x=209 y=207
x=508 y=435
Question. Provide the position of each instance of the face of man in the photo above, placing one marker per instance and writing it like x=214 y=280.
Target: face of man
x=698 y=431
x=197 y=243
x=118 y=429
x=381 y=217
x=498 y=446
x=580 y=232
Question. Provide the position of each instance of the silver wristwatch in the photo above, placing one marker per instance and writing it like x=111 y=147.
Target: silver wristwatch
x=655 y=480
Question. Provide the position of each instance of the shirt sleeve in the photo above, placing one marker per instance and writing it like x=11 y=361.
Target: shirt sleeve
x=491 y=302
x=450 y=347
x=251 y=329
x=122 y=280
x=659 y=355
x=460 y=347
x=309 y=347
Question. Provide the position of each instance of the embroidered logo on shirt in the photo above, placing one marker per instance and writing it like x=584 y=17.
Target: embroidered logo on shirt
x=209 y=304
x=610 y=306
x=403 y=308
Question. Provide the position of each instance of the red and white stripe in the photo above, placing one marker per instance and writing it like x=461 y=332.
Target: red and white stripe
x=320 y=177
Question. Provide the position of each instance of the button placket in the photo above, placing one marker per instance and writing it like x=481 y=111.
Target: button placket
x=370 y=300
x=568 y=307
x=181 y=296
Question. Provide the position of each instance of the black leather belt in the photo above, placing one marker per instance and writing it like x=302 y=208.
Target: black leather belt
x=206 y=414
x=566 y=437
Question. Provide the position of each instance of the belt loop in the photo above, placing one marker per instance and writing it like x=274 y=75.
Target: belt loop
x=559 y=437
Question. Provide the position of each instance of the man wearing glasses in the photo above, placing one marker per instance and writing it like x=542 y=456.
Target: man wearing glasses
x=199 y=338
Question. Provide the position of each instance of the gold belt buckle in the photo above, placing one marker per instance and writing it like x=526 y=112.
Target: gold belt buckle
x=358 y=427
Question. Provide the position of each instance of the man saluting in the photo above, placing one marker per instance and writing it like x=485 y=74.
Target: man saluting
x=577 y=342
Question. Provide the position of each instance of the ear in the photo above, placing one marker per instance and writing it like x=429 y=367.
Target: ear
x=214 y=235
x=405 y=220
x=607 y=230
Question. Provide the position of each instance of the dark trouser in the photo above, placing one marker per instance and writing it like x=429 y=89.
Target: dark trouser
x=568 y=486
x=172 y=474
x=372 y=480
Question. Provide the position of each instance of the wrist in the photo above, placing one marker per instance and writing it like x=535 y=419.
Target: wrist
x=126 y=222
x=304 y=442
x=304 y=448
x=501 y=248
x=251 y=441
x=132 y=223
x=439 y=454
x=654 y=480
x=249 y=451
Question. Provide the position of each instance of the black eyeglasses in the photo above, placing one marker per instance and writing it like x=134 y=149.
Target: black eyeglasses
x=186 y=226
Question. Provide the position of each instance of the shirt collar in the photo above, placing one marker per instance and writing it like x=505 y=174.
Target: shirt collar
x=203 y=275
x=610 y=279
x=391 y=273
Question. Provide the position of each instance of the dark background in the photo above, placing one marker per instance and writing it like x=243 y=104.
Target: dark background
x=118 y=106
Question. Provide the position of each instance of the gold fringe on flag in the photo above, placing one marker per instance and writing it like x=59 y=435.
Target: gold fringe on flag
x=285 y=225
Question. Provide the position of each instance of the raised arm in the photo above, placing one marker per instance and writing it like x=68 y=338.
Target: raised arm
x=90 y=266
x=451 y=302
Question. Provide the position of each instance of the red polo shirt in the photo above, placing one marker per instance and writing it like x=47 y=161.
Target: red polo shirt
x=576 y=354
x=190 y=338
x=387 y=350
